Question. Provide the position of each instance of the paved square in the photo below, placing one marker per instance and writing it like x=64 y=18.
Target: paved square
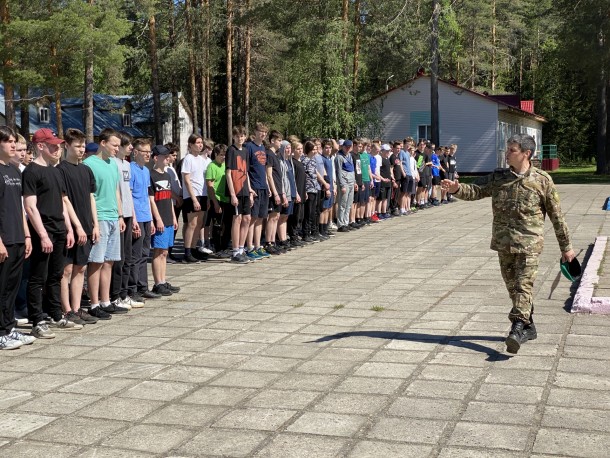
x=383 y=342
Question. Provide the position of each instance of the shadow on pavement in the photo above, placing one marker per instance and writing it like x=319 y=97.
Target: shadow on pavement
x=457 y=341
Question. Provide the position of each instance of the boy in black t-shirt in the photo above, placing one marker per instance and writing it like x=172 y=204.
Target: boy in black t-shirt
x=80 y=186
x=15 y=243
x=277 y=195
x=239 y=191
x=160 y=196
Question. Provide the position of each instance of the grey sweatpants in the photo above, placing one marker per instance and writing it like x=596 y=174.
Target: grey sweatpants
x=345 y=200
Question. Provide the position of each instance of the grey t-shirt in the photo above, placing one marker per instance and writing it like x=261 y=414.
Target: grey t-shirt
x=125 y=177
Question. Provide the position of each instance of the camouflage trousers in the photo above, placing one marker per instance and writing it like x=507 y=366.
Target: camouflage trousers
x=519 y=272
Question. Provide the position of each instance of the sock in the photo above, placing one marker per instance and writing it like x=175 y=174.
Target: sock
x=236 y=251
x=240 y=250
x=94 y=306
x=105 y=304
x=187 y=252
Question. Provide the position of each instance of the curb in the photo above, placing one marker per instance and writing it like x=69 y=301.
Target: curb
x=584 y=302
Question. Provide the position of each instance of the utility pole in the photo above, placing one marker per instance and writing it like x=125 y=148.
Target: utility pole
x=435 y=133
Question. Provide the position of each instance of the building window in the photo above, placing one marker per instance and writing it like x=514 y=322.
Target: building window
x=424 y=132
x=44 y=115
x=126 y=120
x=182 y=124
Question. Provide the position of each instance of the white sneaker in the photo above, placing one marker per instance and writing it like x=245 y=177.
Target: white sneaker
x=206 y=250
x=333 y=226
x=22 y=321
x=125 y=303
x=23 y=338
x=42 y=331
x=65 y=324
x=8 y=343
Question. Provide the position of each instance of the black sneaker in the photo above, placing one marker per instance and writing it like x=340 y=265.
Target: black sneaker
x=240 y=259
x=308 y=239
x=150 y=294
x=113 y=309
x=323 y=237
x=87 y=318
x=354 y=225
x=515 y=337
x=272 y=249
x=529 y=332
x=75 y=318
x=173 y=289
x=161 y=290
x=199 y=255
x=343 y=229
x=99 y=313
x=137 y=297
x=190 y=259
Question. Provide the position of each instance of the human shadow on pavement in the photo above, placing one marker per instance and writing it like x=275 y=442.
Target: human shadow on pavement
x=457 y=341
x=567 y=305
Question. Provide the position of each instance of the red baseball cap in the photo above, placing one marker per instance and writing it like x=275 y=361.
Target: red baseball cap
x=45 y=135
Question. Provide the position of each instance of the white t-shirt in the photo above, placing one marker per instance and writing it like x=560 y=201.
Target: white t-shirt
x=195 y=167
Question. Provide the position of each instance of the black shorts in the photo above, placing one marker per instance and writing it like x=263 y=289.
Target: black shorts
x=211 y=213
x=376 y=190
x=260 y=209
x=423 y=181
x=384 y=193
x=356 y=194
x=187 y=206
x=289 y=209
x=364 y=195
x=436 y=180
x=79 y=255
x=273 y=207
x=405 y=184
x=243 y=206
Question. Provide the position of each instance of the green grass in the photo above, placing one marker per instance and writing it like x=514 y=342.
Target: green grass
x=569 y=174
x=338 y=306
x=298 y=304
x=377 y=308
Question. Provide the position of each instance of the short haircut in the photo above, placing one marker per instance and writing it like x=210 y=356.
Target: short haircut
x=106 y=133
x=21 y=139
x=308 y=147
x=172 y=147
x=6 y=133
x=326 y=143
x=293 y=139
x=396 y=144
x=218 y=149
x=239 y=130
x=141 y=142
x=74 y=135
x=377 y=141
x=525 y=142
x=193 y=138
x=208 y=143
x=125 y=138
x=261 y=127
x=275 y=135
x=408 y=140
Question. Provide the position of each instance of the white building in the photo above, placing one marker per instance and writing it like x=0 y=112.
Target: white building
x=478 y=123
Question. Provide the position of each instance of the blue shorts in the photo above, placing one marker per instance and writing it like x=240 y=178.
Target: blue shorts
x=108 y=247
x=328 y=203
x=377 y=189
x=163 y=240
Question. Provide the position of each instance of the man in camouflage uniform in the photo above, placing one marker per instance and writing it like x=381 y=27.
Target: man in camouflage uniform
x=521 y=197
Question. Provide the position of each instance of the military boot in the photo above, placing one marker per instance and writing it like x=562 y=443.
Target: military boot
x=529 y=331
x=515 y=337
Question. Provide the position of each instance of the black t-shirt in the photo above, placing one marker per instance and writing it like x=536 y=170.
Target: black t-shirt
x=428 y=169
x=47 y=184
x=385 y=172
x=397 y=165
x=357 y=167
x=80 y=184
x=236 y=164
x=273 y=162
x=161 y=189
x=11 y=209
x=452 y=164
x=299 y=177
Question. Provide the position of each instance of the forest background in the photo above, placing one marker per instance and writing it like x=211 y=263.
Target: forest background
x=305 y=66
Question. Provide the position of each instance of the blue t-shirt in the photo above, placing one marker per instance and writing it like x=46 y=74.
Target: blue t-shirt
x=374 y=166
x=258 y=165
x=436 y=171
x=140 y=182
x=328 y=170
x=405 y=159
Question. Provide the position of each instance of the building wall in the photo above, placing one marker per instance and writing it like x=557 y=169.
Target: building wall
x=466 y=119
x=511 y=123
x=185 y=131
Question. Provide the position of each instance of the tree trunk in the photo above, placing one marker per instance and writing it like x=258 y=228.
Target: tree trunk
x=247 y=59
x=434 y=115
x=192 y=64
x=58 y=117
x=88 y=96
x=24 y=94
x=9 y=90
x=473 y=68
x=357 y=30
x=204 y=103
x=493 y=47
x=154 y=71
x=602 y=121
x=208 y=89
x=88 y=100
x=174 y=85
x=229 y=69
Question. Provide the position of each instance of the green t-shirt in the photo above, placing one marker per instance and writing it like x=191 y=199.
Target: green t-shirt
x=365 y=164
x=106 y=175
x=217 y=173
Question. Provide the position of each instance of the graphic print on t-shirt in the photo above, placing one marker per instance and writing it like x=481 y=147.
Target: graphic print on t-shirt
x=163 y=190
x=240 y=175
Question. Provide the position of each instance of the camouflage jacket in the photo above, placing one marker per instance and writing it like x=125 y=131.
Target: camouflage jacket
x=520 y=204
